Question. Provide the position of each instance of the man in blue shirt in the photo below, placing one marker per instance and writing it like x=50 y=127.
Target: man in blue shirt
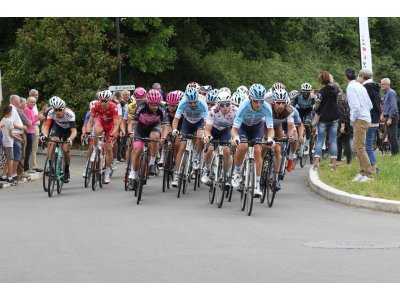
x=390 y=114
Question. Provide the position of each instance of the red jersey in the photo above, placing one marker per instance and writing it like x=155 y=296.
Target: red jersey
x=105 y=116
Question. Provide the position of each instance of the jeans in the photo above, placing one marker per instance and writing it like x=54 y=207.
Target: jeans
x=28 y=150
x=392 y=131
x=369 y=145
x=323 y=128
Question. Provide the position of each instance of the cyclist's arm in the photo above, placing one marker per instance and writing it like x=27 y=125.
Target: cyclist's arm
x=46 y=127
x=89 y=124
x=175 y=123
x=73 y=134
x=207 y=129
x=234 y=132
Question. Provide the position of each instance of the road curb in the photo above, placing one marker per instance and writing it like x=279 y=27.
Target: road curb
x=33 y=176
x=328 y=192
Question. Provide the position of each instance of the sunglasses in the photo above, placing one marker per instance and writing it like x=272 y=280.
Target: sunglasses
x=103 y=101
x=192 y=103
x=258 y=101
x=154 y=104
x=279 y=103
x=224 y=105
x=58 y=109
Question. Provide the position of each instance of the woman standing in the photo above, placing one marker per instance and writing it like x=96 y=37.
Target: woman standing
x=328 y=120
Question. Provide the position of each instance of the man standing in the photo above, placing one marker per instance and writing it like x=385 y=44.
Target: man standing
x=390 y=114
x=365 y=78
x=35 y=143
x=360 y=117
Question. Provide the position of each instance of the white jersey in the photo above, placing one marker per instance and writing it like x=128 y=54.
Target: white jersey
x=67 y=121
x=219 y=120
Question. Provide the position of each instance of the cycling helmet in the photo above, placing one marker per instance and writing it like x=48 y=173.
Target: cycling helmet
x=180 y=93
x=306 y=87
x=51 y=101
x=105 y=95
x=225 y=89
x=91 y=104
x=278 y=86
x=139 y=93
x=242 y=90
x=173 y=98
x=191 y=94
x=193 y=85
x=257 y=91
x=293 y=94
x=224 y=97
x=205 y=89
x=280 y=96
x=212 y=96
x=237 y=98
x=153 y=97
x=57 y=102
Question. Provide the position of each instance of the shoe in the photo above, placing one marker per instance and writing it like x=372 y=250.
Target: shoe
x=281 y=176
x=174 y=182
x=365 y=179
x=257 y=192
x=38 y=170
x=93 y=156
x=357 y=178
x=276 y=185
x=17 y=178
x=196 y=164
x=31 y=172
x=12 y=181
x=290 y=165
x=114 y=165
x=131 y=175
x=161 y=162
x=106 y=178
x=84 y=174
x=3 y=179
x=236 y=180
x=306 y=151
x=66 y=177
x=133 y=184
x=204 y=177
x=152 y=170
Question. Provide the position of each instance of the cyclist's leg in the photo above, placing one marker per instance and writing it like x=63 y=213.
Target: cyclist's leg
x=278 y=147
x=155 y=134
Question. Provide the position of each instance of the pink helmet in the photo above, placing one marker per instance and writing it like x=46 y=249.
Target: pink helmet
x=153 y=97
x=139 y=93
x=173 y=98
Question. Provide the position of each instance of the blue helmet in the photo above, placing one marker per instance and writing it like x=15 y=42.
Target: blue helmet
x=257 y=91
x=212 y=96
x=191 y=94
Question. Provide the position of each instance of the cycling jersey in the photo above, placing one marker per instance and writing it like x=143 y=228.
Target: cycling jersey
x=192 y=115
x=302 y=103
x=246 y=115
x=130 y=111
x=285 y=116
x=67 y=121
x=220 y=121
x=145 y=116
x=105 y=116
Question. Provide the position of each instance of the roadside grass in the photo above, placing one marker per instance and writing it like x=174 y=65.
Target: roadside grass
x=385 y=185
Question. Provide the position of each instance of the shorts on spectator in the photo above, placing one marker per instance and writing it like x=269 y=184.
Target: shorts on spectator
x=17 y=150
x=8 y=153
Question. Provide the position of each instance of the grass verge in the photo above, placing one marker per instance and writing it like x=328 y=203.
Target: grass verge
x=385 y=185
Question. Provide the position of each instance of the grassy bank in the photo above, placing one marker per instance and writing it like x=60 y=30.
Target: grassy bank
x=386 y=184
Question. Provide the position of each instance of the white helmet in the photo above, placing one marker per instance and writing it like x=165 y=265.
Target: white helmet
x=105 y=95
x=91 y=104
x=225 y=89
x=237 y=98
x=280 y=96
x=278 y=86
x=57 y=102
x=293 y=94
x=223 y=96
x=306 y=87
x=242 y=90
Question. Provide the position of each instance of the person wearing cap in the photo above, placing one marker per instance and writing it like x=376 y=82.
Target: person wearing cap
x=157 y=86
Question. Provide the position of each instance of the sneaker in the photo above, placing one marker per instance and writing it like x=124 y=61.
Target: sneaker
x=161 y=162
x=196 y=164
x=236 y=180
x=257 y=192
x=93 y=156
x=306 y=151
x=357 y=178
x=152 y=170
x=133 y=184
x=276 y=185
x=114 y=165
x=365 y=179
x=66 y=177
x=3 y=179
x=131 y=175
x=12 y=181
x=174 y=182
x=204 y=177
x=106 y=178
x=84 y=174
x=290 y=165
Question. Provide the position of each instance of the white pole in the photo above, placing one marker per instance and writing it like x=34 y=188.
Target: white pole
x=365 y=44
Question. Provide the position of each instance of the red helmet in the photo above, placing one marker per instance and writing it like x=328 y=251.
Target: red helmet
x=173 y=98
x=140 y=93
x=154 y=97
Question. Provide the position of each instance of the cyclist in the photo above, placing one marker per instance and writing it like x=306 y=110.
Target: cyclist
x=218 y=126
x=242 y=90
x=60 y=123
x=193 y=85
x=147 y=123
x=108 y=121
x=225 y=89
x=84 y=136
x=292 y=96
x=238 y=98
x=211 y=98
x=205 y=89
x=278 y=86
x=194 y=110
x=248 y=126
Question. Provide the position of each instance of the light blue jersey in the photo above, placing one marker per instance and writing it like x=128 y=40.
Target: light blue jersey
x=250 y=117
x=192 y=115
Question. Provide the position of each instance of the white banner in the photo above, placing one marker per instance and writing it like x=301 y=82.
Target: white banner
x=365 y=44
x=115 y=88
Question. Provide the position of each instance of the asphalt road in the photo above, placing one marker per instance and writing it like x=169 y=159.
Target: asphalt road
x=103 y=236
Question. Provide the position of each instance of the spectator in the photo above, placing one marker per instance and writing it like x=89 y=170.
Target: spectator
x=328 y=120
x=125 y=95
x=19 y=129
x=29 y=112
x=27 y=123
x=35 y=143
x=360 y=117
x=373 y=90
x=8 y=142
x=157 y=86
x=344 y=128
x=390 y=114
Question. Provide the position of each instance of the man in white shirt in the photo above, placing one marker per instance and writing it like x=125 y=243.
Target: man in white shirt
x=360 y=118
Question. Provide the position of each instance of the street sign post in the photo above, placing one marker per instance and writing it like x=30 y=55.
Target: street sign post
x=115 y=88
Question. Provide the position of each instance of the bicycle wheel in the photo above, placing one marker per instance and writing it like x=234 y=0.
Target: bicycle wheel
x=270 y=180
x=126 y=176
x=45 y=177
x=250 y=190
x=60 y=170
x=303 y=159
x=142 y=177
x=182 y=169
x=311 y=149
x=166 y=169
x=102 y=169
x=88 y=172
x=220 y=183
x=52 y=175
x=95 y=171
x=243 y=191
x=186 y=175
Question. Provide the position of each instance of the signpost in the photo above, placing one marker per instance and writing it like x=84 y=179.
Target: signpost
x=115 y=88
